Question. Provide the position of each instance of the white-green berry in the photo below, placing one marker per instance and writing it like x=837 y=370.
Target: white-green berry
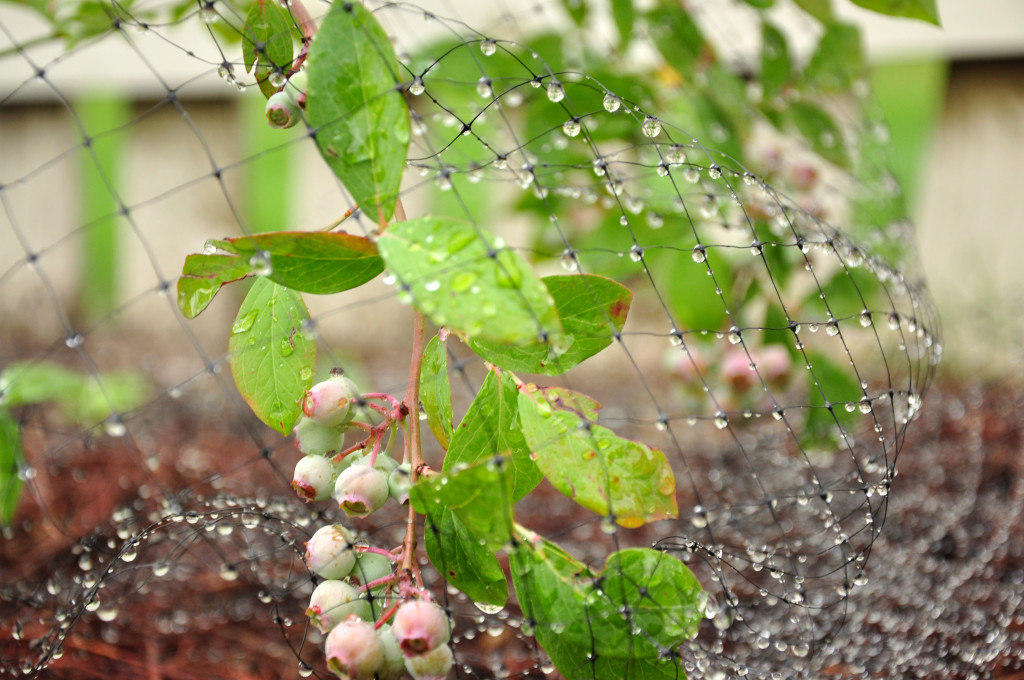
x=400 y=482
x=354 y=650
x=360 y=490
x=314 y=439
x=434 y=665
x=314 y=477
x=394 y=661
x=333 y=602
x=282 y=112
x=331 y=402
x=330 y=552
x=420 y=627
x=370 y=567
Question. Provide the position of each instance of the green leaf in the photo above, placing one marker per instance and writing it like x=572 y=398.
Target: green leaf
x=609 y=625
x=464 y=563
x=925 y=10
x=81 y=397
x=577 y=10
x=760 y=4
x=272 y=359
x=478 y=495
x=267 y=42
x=677 y=36
x=469 y=281
x=491 y=428
x=11 y=455
x=623 y=15
x=592 y=308
x=838 y=60
x=775 y=66
x=315 y=262
x=592 y=465
x=829 y=385
x=359 y=115
x=202 y=278
x=820 y=131
x=819 y=9
x=435 y=390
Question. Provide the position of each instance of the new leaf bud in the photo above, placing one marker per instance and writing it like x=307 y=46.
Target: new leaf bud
x=330 y=552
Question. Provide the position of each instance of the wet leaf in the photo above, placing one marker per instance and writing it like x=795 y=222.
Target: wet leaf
x=677 y=36
x=470 y=282
x=595 y=467
x=820 y=131
x=459 y=557
x=478 y=495
x=575 y=612
x=925 y=10
x=267 y=42
x=435 y=390
x=838 y=61
x=775 y=66
x=353 y=103
x=623 y=15
x=592 y=309
x=272 y=360
x=320 y=263
x=11 y=455
x=491 y=428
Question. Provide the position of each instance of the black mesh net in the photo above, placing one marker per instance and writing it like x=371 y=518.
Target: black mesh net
x=778 y=343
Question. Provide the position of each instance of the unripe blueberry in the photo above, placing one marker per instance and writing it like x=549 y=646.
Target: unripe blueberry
x=420 y=627
x=330 y=552
x=332 y=602
x=281 y=111
x=434 y=665
x=354 y=650
x=314 y=477
x=371 y=566
x=296 y=89
x=360 y=490
x=315 y=439
x=736 y=370
x=331 y=402
x=384 y=462
x=399 y=483
x=394 y=661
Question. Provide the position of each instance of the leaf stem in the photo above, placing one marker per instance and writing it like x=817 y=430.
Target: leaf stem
x=412 y=402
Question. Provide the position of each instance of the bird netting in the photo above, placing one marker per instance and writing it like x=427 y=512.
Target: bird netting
x=657 y=287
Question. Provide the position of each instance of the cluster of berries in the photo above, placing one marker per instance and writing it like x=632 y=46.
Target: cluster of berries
x=359 y=483
x=372 y=632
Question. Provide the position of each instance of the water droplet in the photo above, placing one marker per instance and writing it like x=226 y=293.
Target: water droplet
x=611 y=103
x=416 y=87
x=277 y=79
x=676 y=154
x=734 y=336
x=699 y=255
x=832 y=328
x=600 y=167
x=114 y=426
x=208 y=13
x=161 y=569
x=107 y=614
x=636 y=253
x=714 y=172
x=662 y=170
x=130 y=553
x=483 y=87
x=651 y=126
x=245 y=322
x=655 y=220
x=691 y=175
x=721 y=420
x=305 y=670
x=699 y=518
x=487 y=608
x=607 y=525
x=229 y=572
x=74 y=340
x=93 y=604
x=260 y=263
x=569 y=262
x=571 y=127
x=227 y=75
x=488 y=47
x=894 y=322
x=443 y=181
x=432 y=286
x=556 y=92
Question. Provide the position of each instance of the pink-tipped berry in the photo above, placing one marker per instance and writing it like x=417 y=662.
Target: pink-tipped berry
x=420 y=626
x=354 y=650
x=331 y=402
x=360 y=490
x=434 y=665
x=314 y=478
x=296 y=89
x=333 y=602
x=282 y=112
x=330 y=552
